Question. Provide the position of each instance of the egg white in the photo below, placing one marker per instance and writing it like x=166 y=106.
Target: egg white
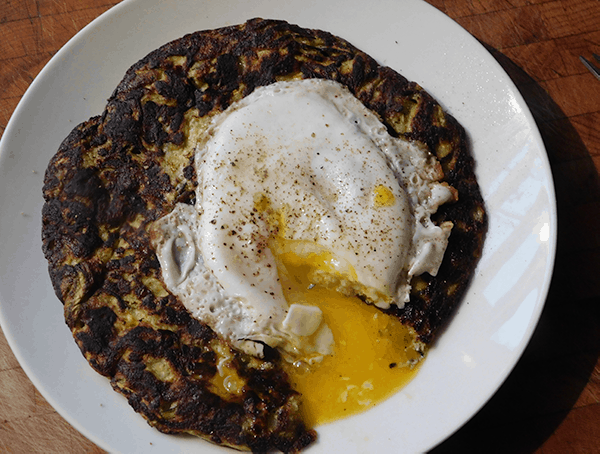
x=302 y=161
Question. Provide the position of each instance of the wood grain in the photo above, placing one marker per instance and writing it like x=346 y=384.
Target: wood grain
x=551 y=401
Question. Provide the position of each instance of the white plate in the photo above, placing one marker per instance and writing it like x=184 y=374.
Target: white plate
x=491 y=327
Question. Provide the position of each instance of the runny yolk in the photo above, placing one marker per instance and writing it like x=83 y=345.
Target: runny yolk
x=374 y=353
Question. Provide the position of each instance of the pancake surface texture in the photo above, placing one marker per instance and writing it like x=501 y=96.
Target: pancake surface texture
x=118 y=173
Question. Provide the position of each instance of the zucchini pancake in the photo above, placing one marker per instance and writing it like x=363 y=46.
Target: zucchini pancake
x=264 y=231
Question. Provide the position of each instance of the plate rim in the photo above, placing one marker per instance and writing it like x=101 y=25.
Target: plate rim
x=116 y=9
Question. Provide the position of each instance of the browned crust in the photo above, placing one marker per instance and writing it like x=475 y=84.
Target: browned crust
x=108 y=182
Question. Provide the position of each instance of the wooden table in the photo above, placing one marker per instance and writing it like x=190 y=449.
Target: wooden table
x=551 y=401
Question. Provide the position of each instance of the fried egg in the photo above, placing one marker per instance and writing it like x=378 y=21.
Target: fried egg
x=305 y=204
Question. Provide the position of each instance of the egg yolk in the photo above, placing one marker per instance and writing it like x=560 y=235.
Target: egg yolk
x=374 y=354
x=384 y=197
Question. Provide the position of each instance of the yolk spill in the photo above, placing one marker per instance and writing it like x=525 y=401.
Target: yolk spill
x=226 y=381
x=370 y=347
